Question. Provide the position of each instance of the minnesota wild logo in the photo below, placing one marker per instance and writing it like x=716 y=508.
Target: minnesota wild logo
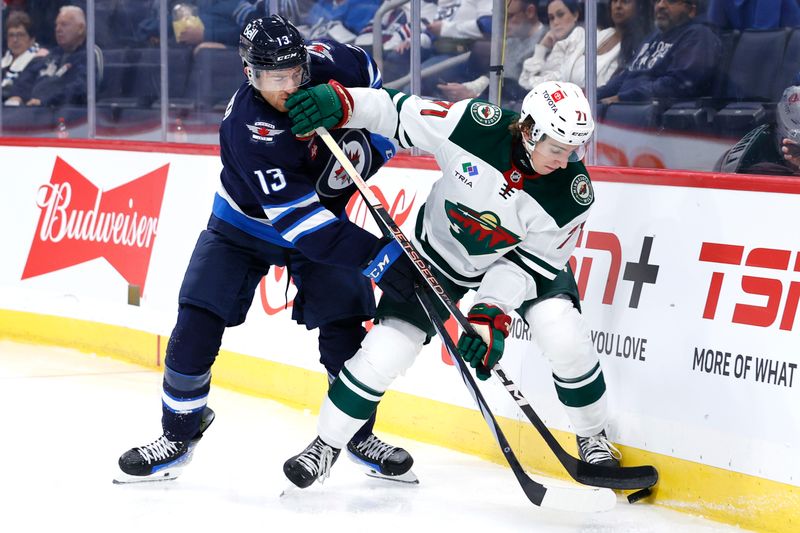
x=479 y=233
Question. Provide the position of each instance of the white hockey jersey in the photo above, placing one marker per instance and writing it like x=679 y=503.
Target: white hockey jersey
x=487 y=224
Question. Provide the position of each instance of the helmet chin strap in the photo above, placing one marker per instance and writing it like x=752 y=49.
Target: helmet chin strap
x=528 y=146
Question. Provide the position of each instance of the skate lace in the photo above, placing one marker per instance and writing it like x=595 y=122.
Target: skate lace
x=317 y=459
x=598 y=448
x=157 y=450
x=374 y=448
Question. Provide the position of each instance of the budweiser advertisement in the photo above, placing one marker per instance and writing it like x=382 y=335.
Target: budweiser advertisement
x=79 y=222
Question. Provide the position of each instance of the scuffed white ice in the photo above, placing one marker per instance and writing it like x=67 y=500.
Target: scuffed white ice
x=67 y=416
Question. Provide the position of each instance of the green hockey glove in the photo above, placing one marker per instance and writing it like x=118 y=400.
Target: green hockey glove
x=486 y=349
x=329 y=105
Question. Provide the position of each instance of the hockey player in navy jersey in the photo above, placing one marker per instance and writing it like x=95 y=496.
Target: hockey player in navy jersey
x=281 y=201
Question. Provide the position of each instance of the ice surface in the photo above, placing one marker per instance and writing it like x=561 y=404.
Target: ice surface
x=68 y=416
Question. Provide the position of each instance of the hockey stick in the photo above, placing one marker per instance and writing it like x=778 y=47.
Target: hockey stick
x=637 y=477
x=563 y=498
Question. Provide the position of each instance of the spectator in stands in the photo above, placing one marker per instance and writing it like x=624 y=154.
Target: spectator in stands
x=677 y=61
x=631 y=22
x=453 y=32
x=560 y=42
x=22 y=49
x=770 y=148
x=200 y=21
x=61 y=78
x=523 y=32
x=43 y=15
x=396 y=38
x=754 y=14
x=340 y=20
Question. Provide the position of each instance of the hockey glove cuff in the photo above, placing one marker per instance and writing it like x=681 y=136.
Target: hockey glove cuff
x=329 y=105
x=486 y=349
x=392 y=270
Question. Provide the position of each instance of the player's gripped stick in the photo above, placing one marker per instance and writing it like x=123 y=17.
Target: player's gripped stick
x=640 y=477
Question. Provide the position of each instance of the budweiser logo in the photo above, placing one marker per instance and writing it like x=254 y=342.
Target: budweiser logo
x=79 y=222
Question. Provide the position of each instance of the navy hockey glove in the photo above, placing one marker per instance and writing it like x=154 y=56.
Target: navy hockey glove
x=482 y=352
x=392 y=270
x=328 y=105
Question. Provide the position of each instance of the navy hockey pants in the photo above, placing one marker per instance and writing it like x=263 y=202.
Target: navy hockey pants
x=218 y=288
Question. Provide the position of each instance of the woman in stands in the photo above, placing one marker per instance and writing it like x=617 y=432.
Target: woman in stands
x=631 y=22
x=22 y=50
x=562 y=41
x=616 y=45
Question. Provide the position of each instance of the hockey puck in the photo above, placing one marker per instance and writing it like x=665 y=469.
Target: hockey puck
x=638 y=495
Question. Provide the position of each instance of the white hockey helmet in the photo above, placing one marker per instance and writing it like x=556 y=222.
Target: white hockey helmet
x=561 y=111
x=788 y=116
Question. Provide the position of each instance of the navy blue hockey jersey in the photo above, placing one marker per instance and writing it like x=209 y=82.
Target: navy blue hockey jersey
x=293 y=192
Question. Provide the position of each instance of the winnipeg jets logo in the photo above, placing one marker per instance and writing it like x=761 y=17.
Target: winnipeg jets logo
x=320 y=50
x=340 y=179
x=334 y=178
x=263 y=131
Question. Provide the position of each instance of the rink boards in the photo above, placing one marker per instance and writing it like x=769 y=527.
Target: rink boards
x=690 y=284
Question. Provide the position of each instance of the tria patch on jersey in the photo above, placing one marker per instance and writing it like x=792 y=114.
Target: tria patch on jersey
x=581 y=189
x=469 y=172
x=320 y=50
x=485 y=114
x=263 y=131
x=479 y=233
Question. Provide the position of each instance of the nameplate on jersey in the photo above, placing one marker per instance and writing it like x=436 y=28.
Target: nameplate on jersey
x=263 y=131
x=334 y=179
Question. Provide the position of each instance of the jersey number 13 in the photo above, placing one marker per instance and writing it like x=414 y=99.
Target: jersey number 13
x=276 y=180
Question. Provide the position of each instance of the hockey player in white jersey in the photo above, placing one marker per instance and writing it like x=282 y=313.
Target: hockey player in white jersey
x=502 y=220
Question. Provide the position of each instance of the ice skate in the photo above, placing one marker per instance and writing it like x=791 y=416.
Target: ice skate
x=598 y=450
x=162 y=459
x=312 y=464
x=382 y=461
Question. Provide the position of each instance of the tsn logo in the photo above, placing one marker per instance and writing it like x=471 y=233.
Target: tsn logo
x=757 y=258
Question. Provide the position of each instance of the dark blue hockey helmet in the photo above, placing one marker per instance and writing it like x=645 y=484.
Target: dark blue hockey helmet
x=274 y=54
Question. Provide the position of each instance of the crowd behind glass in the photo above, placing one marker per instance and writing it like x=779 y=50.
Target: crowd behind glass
x=682 y=84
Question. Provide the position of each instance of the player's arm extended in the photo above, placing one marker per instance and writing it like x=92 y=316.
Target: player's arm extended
x=411 y=120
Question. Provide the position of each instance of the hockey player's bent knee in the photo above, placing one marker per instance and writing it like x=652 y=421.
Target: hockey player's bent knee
x=195 y=340
x=388 y=350
x=563 y=336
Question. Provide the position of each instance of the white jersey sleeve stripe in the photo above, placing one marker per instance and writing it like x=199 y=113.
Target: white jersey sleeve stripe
x=312 y=222
x=531 y=267
x=276 y=212
x=536 y=260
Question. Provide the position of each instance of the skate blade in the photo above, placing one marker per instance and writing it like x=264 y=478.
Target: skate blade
x=409 y=477
x=164 y=475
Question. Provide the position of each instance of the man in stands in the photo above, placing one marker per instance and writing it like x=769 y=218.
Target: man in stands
x=677 y=61
x=62 y=78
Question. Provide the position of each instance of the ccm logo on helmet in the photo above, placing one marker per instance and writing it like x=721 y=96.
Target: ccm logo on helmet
x=287 y=56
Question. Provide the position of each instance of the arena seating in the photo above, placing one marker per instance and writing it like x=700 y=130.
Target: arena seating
x=755 y=69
